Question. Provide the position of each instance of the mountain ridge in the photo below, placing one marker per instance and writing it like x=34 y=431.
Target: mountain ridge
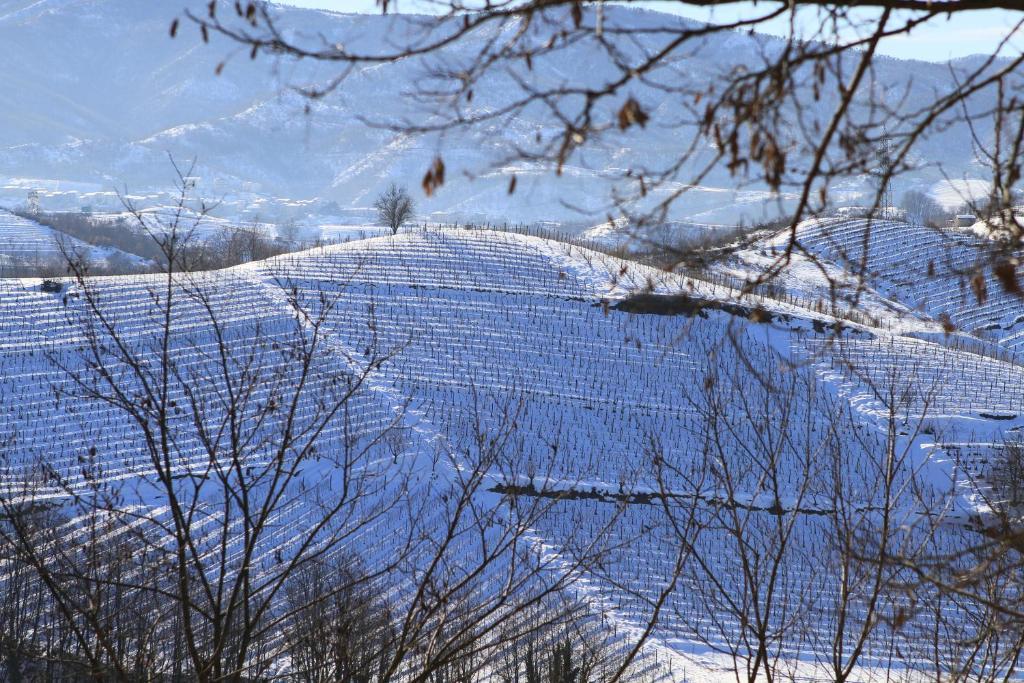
x=112 y=119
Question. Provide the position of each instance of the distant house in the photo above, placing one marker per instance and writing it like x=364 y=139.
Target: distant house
x=963 y=220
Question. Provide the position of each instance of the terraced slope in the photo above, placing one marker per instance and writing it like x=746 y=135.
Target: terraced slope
x=926 y=269
x=650 y=434
x=26 y=243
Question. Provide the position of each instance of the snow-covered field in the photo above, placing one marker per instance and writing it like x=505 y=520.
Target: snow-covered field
x=937 y=273
x=612 y=405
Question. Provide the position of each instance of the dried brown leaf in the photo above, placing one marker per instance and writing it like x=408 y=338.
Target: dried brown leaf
x=434 y=177
x=947 y=325
x=631 y=113
x=979 y=287
x=1006 y=272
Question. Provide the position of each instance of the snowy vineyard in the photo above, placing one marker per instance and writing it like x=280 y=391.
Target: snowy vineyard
x=927 y=269
x=709 y=469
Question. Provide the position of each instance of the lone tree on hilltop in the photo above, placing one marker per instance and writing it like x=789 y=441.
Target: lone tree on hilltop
x=394 y=207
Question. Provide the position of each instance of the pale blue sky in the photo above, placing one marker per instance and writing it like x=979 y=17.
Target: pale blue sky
x=939 y=40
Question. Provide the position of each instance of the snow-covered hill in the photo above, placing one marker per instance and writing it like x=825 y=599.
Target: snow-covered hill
x=613 y=372
x=939 y=273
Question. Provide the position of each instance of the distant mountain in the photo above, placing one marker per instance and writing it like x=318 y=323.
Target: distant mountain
x=103 y=94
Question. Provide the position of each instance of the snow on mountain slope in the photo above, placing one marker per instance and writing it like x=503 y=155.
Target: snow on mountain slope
x=484 y=323
x=111 y=119
x=952 y=194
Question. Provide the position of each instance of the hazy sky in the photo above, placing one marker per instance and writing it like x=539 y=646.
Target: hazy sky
x=939 y=40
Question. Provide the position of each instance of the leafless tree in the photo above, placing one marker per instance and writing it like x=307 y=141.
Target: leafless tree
x=922 y=209
x=807 y=522
x=394 y=208
x=337 y=627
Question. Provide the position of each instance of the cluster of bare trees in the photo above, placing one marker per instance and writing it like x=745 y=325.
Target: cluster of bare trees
x=923 y=210
x=231 y=246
